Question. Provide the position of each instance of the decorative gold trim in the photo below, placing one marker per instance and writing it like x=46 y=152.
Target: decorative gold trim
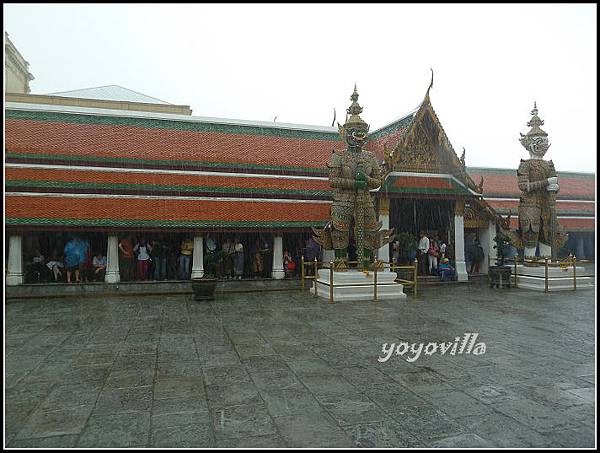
x=384 y=206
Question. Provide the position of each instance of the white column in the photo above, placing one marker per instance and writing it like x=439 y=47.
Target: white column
x=112 y=261
x=384 y=252
x=14 y=276
x=486 y=237
x=278 y=273
x=198 y=257
x=459 y=247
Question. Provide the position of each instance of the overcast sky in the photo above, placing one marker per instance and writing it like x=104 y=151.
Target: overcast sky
x=298 y=62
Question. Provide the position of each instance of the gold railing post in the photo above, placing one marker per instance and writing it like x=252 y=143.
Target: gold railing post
x=302 y=271
x=315 y=276
x=545 y=275
x=574 y=273
x=375 y=283
x=331 y=282
x=415 y=277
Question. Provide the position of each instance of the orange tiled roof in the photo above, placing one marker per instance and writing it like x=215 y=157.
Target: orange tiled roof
x=102 y=211
x=77 y=139
x=157 y=182
x=65 y=136
x=564 y=207
x=503 y=183
x=580 y=224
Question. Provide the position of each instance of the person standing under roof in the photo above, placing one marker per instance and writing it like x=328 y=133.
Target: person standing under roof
x=185 y=258
x=126 y=259
x=238 y=259
x=143 y=250
x=72 y=259
x=423 y=252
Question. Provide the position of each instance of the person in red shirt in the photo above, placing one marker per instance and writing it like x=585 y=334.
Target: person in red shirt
x=126 y=259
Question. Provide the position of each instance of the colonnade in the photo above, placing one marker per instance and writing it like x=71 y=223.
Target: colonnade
x=14 y=275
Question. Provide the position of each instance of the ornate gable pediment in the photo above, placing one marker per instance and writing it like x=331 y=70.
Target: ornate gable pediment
x=425 y=148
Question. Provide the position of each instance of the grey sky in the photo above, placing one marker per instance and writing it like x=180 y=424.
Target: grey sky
x=298 y=62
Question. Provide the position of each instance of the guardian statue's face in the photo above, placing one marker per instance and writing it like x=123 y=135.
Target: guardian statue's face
x=538 y=147
x=356 y=138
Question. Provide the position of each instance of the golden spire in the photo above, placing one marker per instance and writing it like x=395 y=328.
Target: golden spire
x=355 y=121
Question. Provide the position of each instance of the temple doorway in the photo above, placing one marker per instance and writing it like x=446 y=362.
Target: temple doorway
x=413 y=215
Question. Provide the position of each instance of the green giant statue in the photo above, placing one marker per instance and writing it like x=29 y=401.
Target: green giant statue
x=353 y=172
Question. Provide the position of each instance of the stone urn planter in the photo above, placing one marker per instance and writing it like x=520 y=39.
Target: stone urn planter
x=499 y=276
x=204 y=288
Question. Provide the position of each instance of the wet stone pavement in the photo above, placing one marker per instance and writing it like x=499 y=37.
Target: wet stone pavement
x=280 y=369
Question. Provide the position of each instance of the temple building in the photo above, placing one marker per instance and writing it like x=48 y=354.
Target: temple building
x=111 y=162
x=16 y=69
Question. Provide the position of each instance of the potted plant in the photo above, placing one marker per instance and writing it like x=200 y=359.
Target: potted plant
x=407 y=246
x=205 y=286
x=500 y=274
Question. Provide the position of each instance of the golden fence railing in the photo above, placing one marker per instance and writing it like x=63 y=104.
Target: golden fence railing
x=330 y=282
x=566 y=263
x=381 y=265
x=304 y=265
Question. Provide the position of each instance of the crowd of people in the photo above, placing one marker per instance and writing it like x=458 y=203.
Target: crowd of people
x=168 y=257
x=243 y=256
x=75 y=263
x=432 y=255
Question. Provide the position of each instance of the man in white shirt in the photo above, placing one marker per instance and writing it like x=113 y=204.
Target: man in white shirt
x=423 y=249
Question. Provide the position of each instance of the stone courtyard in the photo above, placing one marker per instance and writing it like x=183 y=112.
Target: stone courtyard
x=283 y=369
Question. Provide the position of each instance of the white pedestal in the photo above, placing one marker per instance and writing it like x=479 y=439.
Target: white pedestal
x=558 y=279
x=355 y=285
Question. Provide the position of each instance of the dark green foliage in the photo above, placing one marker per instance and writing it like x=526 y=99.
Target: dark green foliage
x=408 y=244
x=502 y=247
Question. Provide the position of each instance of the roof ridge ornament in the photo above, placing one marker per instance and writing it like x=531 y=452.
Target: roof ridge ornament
x=431 y=83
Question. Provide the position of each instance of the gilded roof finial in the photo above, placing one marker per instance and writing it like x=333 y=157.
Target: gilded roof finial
x=430 y=84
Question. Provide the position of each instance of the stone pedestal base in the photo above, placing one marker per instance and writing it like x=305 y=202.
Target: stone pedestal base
x=14 y=279
x=461 y=271
x=355 y=285
x=278 y=274
x=112 y=277
x=558 y=279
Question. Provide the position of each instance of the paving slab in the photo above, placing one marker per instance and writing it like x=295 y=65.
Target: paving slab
x=116 y=430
